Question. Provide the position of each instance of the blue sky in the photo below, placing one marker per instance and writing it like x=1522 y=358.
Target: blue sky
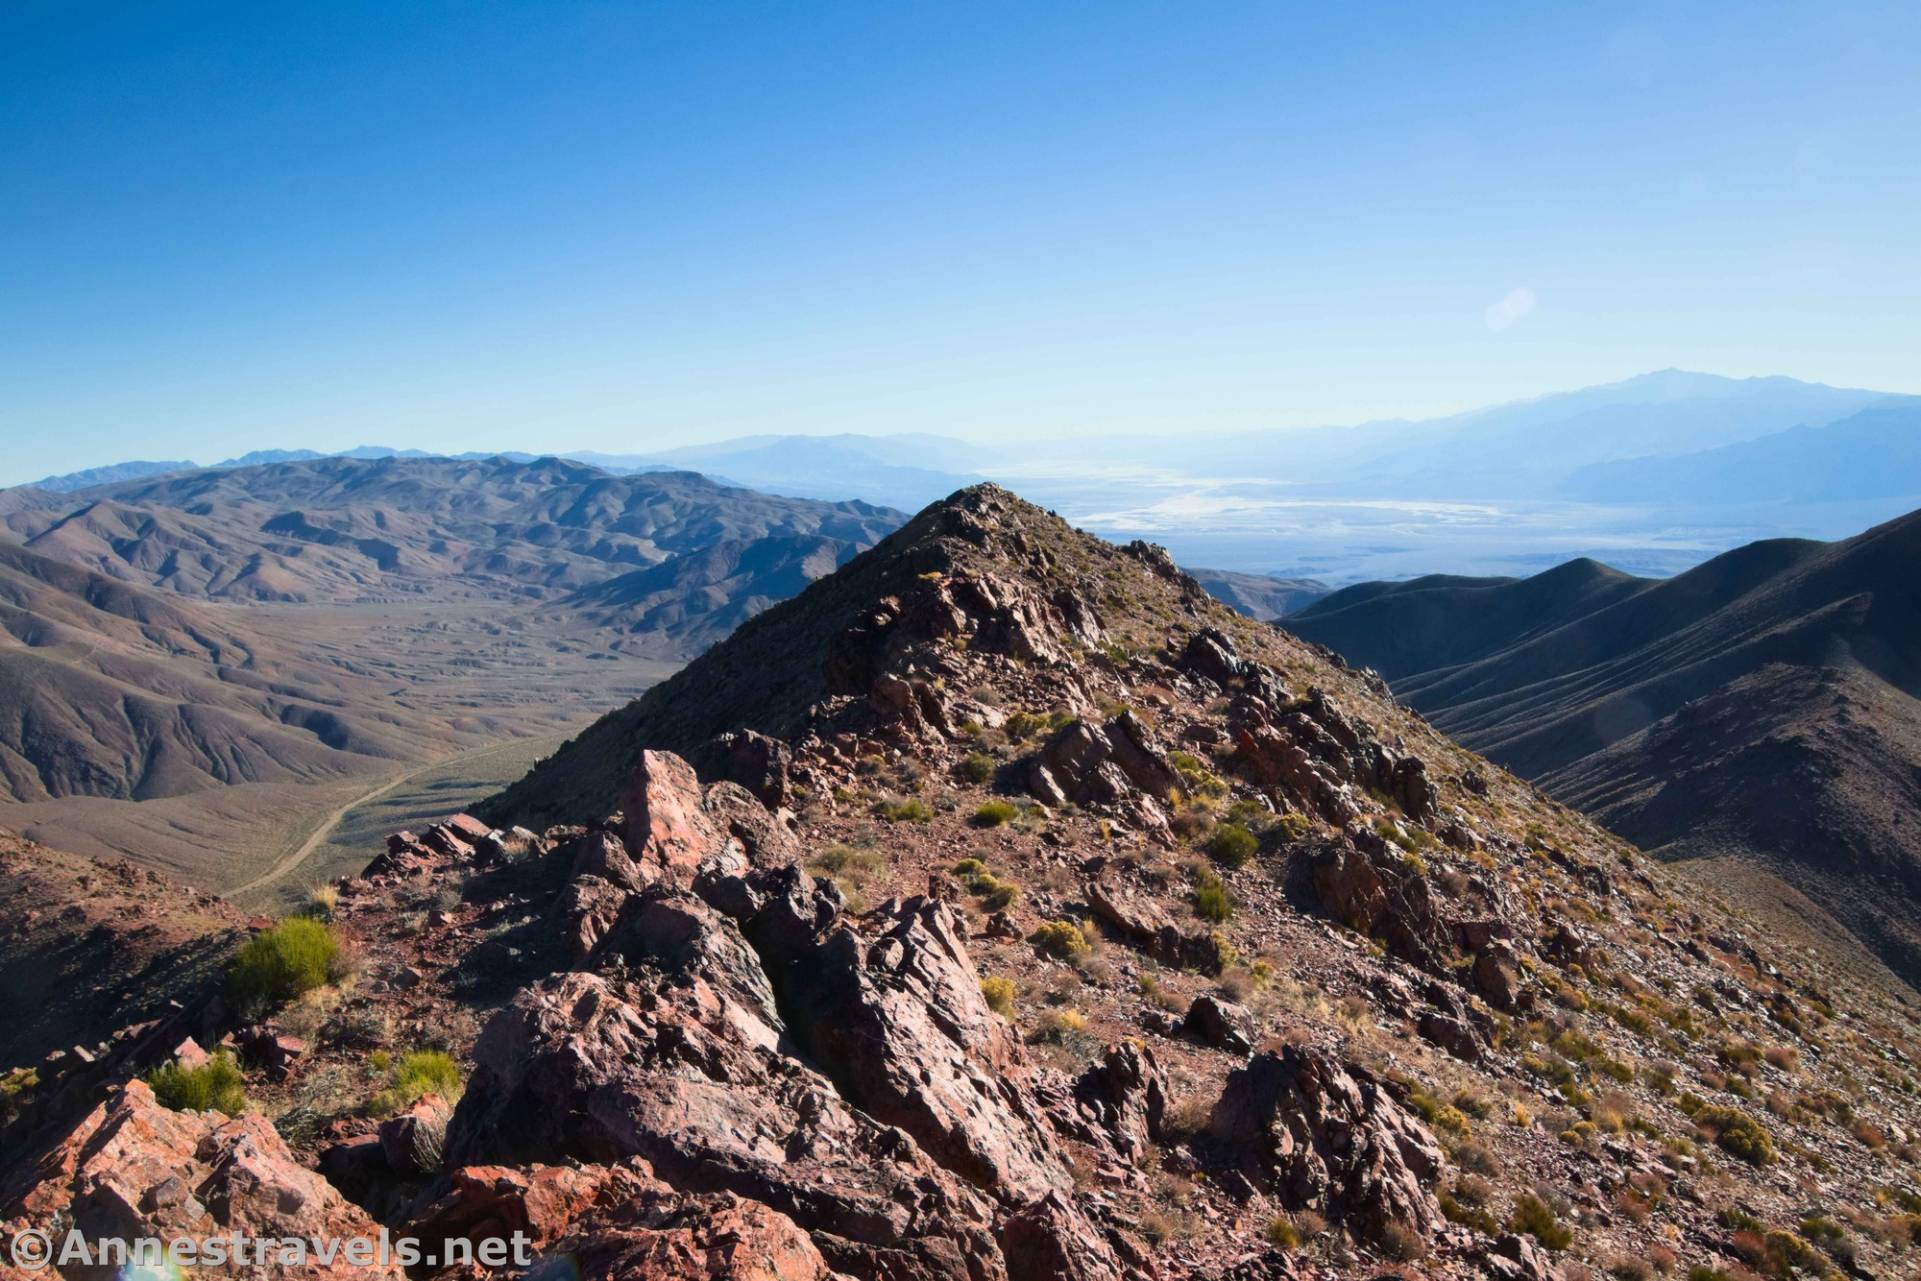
x=623 y=226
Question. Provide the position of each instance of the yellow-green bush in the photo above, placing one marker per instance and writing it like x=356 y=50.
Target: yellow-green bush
x=214 y=1086
x=279 y=964
x=1062 y=940
x=999 y=993
x=994 y=813
x=1232 y=845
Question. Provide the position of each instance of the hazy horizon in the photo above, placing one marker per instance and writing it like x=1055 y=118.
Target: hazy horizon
x=626 y=229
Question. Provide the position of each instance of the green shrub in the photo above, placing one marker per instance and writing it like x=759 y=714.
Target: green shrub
x=911 y=810
x=214 y=1086
x=1232 y=845
x=1062 y=940
x=1282 y=1234
x=1197 y=780
x=994 y=892
x=1536 y=1218
x=1737 y=1133
x=976 y=767
x=999 y=993
x=837 y=859
x=994 y=813
x=1211 y=899
x=279 y=964
x=422 y=1072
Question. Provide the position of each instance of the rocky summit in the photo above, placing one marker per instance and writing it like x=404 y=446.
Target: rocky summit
x=1004 y=907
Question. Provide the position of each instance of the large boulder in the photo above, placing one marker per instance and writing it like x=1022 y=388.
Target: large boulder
x=134 y=1168
x=1369 y=888
x=1323 y=1134
x=687 y=1074
x=900 y=1024
x=667 y=823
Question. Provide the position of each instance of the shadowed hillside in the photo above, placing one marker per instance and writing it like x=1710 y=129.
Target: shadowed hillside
x=1764 y=703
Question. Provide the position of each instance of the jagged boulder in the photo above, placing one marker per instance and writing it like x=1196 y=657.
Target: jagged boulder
x=766 y=837
x=680 y=1050
x=899 y=1022
x=1124 y=1096
x=666 y=822
x=1102 y=764
x=755 y=761
x=133 y=1168
x=1363 y=885
x=1325 y=1135
x=1142 y=922
x=1211 y=1020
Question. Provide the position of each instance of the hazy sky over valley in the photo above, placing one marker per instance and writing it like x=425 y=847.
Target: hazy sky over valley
x=627 y=226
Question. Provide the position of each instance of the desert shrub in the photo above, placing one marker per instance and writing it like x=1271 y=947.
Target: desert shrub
x=412 y=1077
x=994 y=813
x=321 y=902
x=1536 y=1218
x=214 y=1086
x=1400 y=1242
x=838 y=859
x=1737 y=1133
x=1281 y=1233
x=1062 y=1025
x=1442 y=1116
x=911 y=810
x=1197 y=780
x=279 y=964
x=1062 y=940
x=1232 y=845
x=976 y=767
x=422 y=1072
x=1211 y=899
x=995 y=892
x=999 y=994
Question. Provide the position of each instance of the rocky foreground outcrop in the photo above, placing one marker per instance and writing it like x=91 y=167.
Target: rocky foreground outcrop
x=134 y=1168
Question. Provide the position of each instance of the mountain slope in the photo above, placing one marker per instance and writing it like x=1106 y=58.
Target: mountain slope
x=699 y=597
x=395 y=528
x=1875 y=453
x=109 y=690
x=1764 y=703
x=1262 y=596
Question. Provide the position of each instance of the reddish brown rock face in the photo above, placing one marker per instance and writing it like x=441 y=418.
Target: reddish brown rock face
x=134 y=1168
x=666 y=822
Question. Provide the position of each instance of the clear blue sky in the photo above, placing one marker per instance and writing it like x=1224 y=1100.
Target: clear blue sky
x=620 y=226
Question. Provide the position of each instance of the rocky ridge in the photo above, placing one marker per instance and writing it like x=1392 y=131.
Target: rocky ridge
x=1039 y=917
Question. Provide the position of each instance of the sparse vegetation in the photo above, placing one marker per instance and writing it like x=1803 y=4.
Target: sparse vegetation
x=911 y=810
x=1232 y=845
x=1736 y=1133
x=976 y=767
x=213 y=1086
x=1062 y=940
x=999 y=994
x=995 y=813
x=1536 y=1218
x=284 y=962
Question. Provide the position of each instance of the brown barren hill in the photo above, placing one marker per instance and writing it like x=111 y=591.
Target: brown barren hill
x=90 y=947
x=1763 y=705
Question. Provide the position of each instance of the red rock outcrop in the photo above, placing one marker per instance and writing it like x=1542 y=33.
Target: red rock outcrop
x=135 y=1169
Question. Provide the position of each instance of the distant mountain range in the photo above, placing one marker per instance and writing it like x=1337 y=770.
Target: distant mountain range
x=908 y=470
x=1766 y=704
x=1656 y=472
x=410 y=528
x=1875 y=453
